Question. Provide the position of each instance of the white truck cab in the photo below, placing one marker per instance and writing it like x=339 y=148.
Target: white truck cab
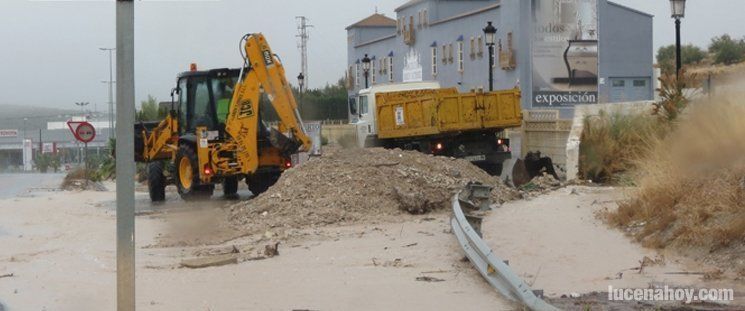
x=362 y=108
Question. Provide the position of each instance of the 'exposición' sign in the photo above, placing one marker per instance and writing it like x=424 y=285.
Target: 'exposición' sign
x=564 y=99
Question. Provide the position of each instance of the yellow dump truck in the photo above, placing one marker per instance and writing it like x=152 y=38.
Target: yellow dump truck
x=440 y=121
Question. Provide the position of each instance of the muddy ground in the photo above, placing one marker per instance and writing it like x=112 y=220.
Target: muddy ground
x=61 y=256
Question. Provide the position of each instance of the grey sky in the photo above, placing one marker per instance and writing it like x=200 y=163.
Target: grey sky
x=50 y=57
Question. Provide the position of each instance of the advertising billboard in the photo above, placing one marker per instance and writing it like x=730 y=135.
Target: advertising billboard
x=565 y=53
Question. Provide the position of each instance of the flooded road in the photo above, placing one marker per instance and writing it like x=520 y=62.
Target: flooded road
x=12 y=185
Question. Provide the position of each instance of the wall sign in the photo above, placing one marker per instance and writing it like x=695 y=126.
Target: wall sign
x=565 y=53
x=8 y=133
x=412 y=71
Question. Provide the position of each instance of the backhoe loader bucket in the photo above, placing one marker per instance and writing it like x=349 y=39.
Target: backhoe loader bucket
x=533 y=166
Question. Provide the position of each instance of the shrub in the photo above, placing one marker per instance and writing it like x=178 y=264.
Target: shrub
x=611 y=143
x=692 y=183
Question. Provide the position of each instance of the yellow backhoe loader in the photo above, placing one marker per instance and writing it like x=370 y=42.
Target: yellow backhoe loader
x=214 y=132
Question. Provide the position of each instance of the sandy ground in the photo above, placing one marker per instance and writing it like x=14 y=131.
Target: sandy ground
x=59 y=248
x=557 y=243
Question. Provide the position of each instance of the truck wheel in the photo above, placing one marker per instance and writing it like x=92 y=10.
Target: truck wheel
x=187 y=175
x=261 y=182
x=230 y=186
x=156 y=182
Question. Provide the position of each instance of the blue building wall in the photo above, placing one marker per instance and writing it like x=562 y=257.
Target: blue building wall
x=625 y=45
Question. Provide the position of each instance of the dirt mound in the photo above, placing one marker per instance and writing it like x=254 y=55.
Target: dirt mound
x=356 y=185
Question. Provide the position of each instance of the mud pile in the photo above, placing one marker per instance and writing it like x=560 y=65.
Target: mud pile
x=361 y=185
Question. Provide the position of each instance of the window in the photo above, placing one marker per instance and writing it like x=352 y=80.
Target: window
x=202 y=112
x=473 y=48
x=352 y=105
x=357 y=74
x=480 y=43
x=434 y=61
x=182 y=95
x=381 y=69
x=419 y=21
x=619 y=83
x=461 y=55
x=222 y=90
x=363 y=104
x=450 y=53
x=444 y=54
x=426 y=18
x=390 y=69
x=640 y=83
x=372 y=72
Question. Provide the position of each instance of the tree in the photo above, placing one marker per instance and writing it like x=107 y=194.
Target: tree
x=690 y=54
x=726 y=50
x=149 y=110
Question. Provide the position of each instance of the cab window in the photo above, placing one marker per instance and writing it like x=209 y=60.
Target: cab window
x=363 y=105
x=223 y=90
x=182 y=110
x=201 y=112
x=352 y=105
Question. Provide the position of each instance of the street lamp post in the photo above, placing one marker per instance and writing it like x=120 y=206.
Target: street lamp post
x=82 y=107
x=678 y=8
x=301 y=84
x=366 y=69
x=111 y=90
x=489 y=34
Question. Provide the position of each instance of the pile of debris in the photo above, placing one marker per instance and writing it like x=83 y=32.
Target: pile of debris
x=540 y=185
x=78 y=180
x=361 y=185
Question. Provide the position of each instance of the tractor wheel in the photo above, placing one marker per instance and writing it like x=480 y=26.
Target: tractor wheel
x=156 y=182
x=261 y=182
x=187 y=175
x=230 y=186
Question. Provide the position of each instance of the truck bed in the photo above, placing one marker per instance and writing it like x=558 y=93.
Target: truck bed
x=442 y=111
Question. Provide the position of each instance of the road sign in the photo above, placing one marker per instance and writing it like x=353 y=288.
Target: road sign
x=83 y=131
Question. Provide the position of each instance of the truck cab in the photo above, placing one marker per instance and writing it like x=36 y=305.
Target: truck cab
x=362 y=108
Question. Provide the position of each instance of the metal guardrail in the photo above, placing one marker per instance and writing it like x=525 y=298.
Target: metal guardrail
x=496 y=272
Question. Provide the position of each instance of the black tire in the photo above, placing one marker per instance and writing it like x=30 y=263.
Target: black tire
x=156 y=182
x=196 y=190
x=230 y=186
x=261 y=182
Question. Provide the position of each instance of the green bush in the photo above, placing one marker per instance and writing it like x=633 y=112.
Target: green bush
x=611 y=143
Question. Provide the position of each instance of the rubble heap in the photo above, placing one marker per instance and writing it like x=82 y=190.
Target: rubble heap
x=361 y=185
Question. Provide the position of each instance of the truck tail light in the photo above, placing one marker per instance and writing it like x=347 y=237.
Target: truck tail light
x=208 y=170
x=288 y=163
x=439 y=146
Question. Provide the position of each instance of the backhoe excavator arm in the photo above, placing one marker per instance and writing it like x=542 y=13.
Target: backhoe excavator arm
x=262 y=71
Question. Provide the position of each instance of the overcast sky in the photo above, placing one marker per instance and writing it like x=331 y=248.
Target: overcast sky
x=49 y=50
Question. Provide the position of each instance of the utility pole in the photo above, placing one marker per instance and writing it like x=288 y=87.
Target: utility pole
x=303 y=46
x=125 y=167
x=111 y=91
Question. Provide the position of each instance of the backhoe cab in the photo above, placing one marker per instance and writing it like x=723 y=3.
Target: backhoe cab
x=214 y=132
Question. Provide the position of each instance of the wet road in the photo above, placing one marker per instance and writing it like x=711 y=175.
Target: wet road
x=12 y=185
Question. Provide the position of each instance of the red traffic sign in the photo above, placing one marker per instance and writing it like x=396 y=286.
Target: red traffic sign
x=83 y=131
